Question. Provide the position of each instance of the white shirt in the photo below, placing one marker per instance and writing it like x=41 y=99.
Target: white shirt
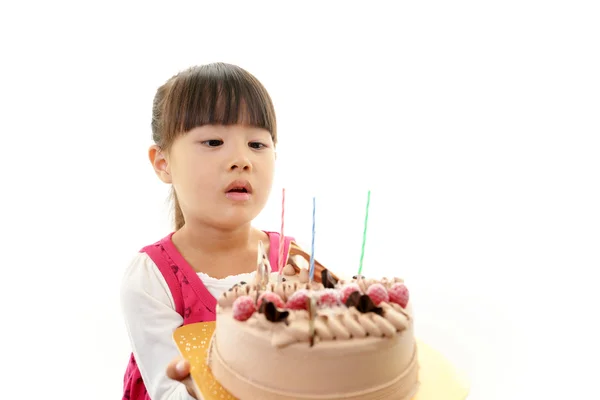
x=150 y=319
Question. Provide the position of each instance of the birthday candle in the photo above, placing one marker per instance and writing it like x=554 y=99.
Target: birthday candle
x=262 y=269
x=364 y=240
x=312 y=252
x=281 y=241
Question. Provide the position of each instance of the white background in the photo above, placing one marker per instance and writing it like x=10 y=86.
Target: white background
x=475 y=124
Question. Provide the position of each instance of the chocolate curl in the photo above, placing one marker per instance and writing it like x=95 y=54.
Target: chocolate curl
x=328 y=280
x=302 y=260
x=272 y=313
x=311 y=306
x=363 y=303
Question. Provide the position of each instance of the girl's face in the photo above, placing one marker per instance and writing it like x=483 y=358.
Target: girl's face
x=222 y=174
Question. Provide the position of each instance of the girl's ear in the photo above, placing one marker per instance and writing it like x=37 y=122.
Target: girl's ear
x=160 y=163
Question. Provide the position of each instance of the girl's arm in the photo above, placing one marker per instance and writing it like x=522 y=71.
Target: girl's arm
x=150 y=319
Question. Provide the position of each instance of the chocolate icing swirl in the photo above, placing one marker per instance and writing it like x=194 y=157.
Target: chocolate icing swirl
x=341 y=324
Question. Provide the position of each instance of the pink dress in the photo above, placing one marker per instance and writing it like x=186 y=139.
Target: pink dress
x=192 y=300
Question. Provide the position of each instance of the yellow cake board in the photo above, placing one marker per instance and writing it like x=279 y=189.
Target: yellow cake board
x=439 y=380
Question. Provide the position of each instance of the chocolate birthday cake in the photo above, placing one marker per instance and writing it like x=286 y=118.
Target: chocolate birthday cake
x=288 y=337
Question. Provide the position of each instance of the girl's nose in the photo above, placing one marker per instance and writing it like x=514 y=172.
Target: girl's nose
x=241 y=163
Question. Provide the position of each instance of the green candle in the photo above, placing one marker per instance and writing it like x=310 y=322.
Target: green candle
x=362 y=251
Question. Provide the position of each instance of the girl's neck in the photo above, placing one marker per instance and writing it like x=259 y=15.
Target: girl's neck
x=211 y=240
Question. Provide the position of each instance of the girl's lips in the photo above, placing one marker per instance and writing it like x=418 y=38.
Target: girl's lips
x=238 y=196
x=240 y=186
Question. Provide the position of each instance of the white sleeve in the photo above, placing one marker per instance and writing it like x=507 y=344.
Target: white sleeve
x=150 y=319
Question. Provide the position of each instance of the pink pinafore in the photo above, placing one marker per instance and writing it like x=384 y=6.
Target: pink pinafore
x=192 y=300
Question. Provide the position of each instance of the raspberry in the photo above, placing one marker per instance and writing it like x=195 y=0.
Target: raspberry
x=348 y=290
x=399 y=294
x=297 y=301
x=377 y=293
x=272 y=297
x=329 y=298
x=243 y=308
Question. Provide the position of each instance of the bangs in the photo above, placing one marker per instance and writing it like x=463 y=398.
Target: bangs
x=217 y=94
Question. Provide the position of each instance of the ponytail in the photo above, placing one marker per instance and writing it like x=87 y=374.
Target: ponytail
x=179 y=221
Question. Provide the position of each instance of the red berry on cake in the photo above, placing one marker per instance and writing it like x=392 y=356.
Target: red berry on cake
x=297 y=301
x=272 y=297
x=243 y=308
x=348 y=290
x=377 y=293
x=399 y=294
x=329 y=298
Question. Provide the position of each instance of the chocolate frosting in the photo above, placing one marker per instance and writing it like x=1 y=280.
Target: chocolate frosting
x=272 y=313
x=363 y=303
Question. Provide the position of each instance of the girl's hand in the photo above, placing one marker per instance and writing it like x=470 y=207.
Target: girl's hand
x=179 y=370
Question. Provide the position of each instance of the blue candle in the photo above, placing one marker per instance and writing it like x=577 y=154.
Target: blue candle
x=312 y=253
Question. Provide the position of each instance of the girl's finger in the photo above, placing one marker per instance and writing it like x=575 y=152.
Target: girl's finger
x=178 y=369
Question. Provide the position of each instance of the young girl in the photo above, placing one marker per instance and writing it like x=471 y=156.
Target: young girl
x=215 y=133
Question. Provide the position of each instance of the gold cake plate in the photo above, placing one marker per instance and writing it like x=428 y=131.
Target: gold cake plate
x=439 y=380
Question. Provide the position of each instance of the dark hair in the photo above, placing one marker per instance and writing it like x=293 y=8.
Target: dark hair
x=212 y=94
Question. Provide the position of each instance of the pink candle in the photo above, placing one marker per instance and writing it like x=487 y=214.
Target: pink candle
x=281 y=237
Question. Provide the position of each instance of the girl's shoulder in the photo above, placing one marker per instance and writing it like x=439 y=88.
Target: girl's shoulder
x=143 y=280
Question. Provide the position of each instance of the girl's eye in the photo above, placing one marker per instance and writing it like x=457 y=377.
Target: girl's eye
x=213 y=143
x=256 y=145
